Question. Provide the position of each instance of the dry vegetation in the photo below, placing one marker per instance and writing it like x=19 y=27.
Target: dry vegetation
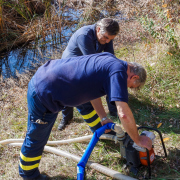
x=151 y=41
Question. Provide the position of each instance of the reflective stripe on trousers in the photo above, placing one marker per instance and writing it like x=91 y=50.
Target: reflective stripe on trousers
x=37 y=134
x=90 y=116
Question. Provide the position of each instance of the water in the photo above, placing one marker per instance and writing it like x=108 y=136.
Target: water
x=25 y=58
x=22 y=59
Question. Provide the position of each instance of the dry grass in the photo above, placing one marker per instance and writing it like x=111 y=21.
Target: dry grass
x=158 y=102
x=13 y=125
x=14 y=113
x=24 y=21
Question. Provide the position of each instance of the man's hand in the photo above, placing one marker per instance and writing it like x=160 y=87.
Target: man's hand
x=129 y=124
x=105 y=122
x=97 y=104
x=145 y=142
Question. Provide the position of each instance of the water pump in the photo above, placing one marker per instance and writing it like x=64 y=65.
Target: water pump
x=134 y=155
x=137 y=156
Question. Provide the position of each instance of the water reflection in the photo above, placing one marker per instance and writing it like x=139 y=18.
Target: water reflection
x=21 y=59
x=38 y=52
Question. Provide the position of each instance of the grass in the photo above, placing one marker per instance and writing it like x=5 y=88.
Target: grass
x=156 y=103
x=24 y=21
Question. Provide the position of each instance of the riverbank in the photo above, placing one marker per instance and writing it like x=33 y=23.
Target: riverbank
x=156 y=103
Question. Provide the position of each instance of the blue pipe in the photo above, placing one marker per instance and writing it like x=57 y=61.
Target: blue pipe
x=82 y=163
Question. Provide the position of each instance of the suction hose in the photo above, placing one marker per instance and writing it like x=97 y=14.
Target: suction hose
x=96 y=166
x=61 y=142
x=82 y=163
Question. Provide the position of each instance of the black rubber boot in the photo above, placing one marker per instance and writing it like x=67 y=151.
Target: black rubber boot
x=40 y=177
x=62 y=124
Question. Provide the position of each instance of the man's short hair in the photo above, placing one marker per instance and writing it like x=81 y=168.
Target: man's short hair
x=108 y=25
x=139 y=70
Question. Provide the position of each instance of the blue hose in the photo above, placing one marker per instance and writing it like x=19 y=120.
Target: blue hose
x=82 y=163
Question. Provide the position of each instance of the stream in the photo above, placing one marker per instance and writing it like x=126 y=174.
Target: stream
x=23 y=59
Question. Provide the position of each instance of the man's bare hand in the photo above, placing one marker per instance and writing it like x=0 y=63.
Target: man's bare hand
x=105 y=122
x=145 y=142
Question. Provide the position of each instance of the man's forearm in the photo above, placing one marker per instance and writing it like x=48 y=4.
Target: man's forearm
x=97 y=105
x=127 y=120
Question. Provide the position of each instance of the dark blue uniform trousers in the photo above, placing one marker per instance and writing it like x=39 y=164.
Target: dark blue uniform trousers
x=88 y=113
x=90 y=116
x=37 y=134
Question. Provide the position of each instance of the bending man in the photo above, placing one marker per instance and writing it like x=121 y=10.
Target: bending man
x=71 y=82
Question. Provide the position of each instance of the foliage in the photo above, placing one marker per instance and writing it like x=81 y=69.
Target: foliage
x=161 y=23
x=156 y=105
x=19 y=20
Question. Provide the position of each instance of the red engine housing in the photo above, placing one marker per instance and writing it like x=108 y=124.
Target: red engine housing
x=143 y=157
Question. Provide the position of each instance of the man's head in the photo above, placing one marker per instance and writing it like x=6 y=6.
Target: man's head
x=106 y=30
x=136 y=75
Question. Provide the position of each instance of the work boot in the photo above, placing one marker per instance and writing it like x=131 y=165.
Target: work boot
x=40 y=177
x=62 y=124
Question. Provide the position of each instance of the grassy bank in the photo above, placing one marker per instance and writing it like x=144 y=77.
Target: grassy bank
x=156 y=105
x=158 y=102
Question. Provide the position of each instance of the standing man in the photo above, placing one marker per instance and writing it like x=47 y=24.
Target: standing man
x=90 y=39
x=71 y=82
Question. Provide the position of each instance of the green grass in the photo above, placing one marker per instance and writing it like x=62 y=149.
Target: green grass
x=158 y=102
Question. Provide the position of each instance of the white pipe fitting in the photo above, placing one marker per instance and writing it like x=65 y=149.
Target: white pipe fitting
x=119 y=132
